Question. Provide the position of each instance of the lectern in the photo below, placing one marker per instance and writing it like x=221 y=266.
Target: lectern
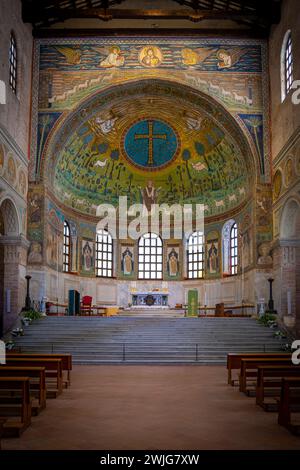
x=74 y=303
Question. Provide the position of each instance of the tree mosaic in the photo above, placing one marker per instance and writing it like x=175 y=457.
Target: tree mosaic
x=180 y=154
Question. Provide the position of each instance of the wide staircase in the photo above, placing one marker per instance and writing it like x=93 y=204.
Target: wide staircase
x=147 y=340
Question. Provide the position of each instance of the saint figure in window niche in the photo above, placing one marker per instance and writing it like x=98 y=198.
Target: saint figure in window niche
x=127 y=262
x=87 y=256
x=213 y=261
x=173 y=263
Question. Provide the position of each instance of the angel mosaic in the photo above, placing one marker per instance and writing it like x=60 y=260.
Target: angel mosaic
x=114 y=57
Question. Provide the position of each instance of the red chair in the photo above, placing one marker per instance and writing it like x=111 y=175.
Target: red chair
x=86 y=305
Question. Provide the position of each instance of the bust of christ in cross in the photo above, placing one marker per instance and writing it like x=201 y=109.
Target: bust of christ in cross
x=150 y=137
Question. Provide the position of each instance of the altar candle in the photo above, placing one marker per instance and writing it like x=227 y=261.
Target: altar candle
x=205 y=298
x=289 y=302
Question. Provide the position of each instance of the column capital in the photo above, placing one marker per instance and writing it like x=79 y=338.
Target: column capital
x=285 y=243
x=18 y=240
x=15 y=249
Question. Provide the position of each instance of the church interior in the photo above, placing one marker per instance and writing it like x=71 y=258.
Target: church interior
x=175 y=341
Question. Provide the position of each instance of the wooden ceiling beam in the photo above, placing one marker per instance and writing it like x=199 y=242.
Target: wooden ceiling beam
x=196 y=4
x=55 y=15
x=254 y=32
x=253 y=13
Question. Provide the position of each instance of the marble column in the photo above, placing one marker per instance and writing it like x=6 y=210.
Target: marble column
x=14 y=284
x=286 y=269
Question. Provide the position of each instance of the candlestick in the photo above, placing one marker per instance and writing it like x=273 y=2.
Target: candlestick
x=271 y=301
x=27 y=300
x=289 y=302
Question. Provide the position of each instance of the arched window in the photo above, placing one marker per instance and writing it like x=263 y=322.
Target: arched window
x=287 y=65
x=229 y=248
x=104 y=254
x=195 y=255
x=66 y=248
x=233 y=249
x=150 y=257
x=13 y=65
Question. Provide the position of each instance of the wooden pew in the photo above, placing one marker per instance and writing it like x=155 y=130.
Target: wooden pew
x=66 y=361
x=2 y=421
x=249 y=368
x=53 y=365
x=287 y=401
x=269 y=381
x=37 y=380
x=234 y=361
x=13 y=427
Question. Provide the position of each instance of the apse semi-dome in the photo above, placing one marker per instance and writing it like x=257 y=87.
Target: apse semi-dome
x=181 y=142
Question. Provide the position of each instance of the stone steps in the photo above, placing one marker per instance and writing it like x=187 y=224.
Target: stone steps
x=147 y=340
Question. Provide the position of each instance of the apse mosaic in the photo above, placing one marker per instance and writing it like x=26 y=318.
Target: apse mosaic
x=159 y=120
x=69 y=71
x=152 y=148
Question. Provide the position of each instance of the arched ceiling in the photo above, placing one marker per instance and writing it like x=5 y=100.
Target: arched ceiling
x=184 y=142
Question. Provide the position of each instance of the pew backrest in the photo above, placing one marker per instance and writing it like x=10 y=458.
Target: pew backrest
x=234 y=360
x=66 y=359
x=52 y=365
x=32 y=373
x=271 y=377
x=252 y=364
x=286 y=402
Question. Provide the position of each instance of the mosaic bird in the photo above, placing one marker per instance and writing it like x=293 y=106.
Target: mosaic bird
x=195 y=56
x=73 y=56
x=100 y=163
x=199 y=166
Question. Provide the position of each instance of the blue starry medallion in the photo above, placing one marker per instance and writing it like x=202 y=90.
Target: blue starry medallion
x=150 y=144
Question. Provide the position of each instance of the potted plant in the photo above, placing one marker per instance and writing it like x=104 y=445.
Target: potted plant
x=9 y=345
x=29 y=315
